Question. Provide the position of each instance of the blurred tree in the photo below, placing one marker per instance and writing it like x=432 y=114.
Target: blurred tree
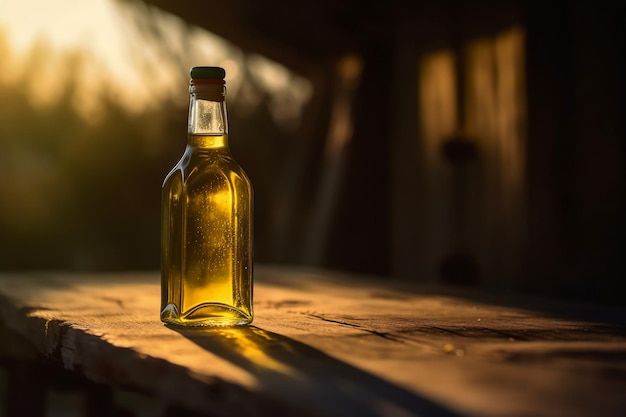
x=80 y=193
x=82 y=168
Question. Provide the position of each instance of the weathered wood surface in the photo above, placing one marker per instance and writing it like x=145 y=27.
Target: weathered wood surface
x=327 y=344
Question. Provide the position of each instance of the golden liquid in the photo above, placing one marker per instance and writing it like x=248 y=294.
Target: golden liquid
x=206 y=248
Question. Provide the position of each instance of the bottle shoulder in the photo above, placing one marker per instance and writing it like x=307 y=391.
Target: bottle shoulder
x=201 y=168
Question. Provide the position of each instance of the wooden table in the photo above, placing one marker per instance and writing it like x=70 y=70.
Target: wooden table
x=328 y=344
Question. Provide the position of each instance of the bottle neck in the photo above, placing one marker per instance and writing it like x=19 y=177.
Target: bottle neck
x=208 y=141
x=207 y=109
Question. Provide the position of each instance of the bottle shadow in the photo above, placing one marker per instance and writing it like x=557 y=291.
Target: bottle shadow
x=308 y=379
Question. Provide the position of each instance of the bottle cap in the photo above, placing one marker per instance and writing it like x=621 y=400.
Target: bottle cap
x=207 y=73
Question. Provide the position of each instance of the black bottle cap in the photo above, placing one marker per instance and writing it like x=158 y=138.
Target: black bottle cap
x=208 y=73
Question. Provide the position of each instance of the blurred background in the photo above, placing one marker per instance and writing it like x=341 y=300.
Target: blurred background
x=469 y=143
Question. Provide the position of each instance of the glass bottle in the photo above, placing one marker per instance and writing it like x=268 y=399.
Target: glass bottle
x=206 y=225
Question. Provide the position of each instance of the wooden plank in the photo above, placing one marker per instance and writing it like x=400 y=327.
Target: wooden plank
x=332 y=344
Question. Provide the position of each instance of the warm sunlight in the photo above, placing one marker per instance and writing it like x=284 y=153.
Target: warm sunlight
x=136 y=54
x=486 y=111
x=69 y=26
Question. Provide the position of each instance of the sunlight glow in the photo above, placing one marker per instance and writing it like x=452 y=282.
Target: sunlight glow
x=489 y=110
x=250 y=348
x=93 y=29
x=438 y=105
x=135 y=54
x=66 y=23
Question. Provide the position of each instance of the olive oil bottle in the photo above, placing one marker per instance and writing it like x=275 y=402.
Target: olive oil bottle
x=207 y=212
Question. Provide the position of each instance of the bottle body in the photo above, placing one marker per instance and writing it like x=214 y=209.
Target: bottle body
x=207 y=233
x=207 y=239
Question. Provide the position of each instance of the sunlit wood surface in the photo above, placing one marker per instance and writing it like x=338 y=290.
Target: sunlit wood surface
x=330 y=344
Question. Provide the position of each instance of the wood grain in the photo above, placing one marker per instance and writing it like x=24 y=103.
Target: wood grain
x=330 y=344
